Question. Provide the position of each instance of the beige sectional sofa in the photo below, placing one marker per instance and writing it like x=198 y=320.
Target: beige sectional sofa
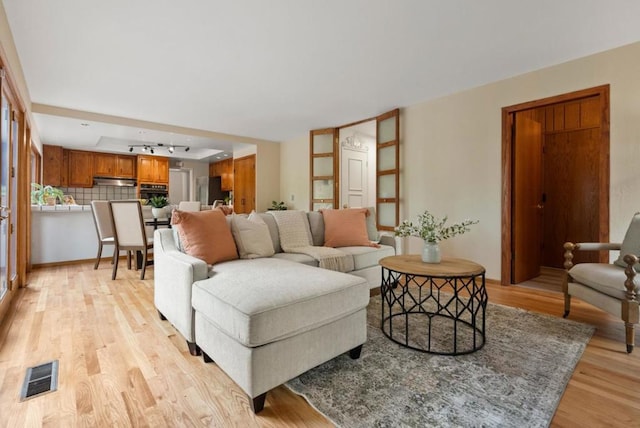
x=267 y=320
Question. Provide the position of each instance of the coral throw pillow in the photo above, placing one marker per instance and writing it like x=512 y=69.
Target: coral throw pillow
x=205 y=235
x=345 y=228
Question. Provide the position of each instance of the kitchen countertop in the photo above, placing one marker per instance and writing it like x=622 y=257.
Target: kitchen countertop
x=60 y=208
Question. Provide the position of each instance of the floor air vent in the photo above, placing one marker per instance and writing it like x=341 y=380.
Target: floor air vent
x=40 y=380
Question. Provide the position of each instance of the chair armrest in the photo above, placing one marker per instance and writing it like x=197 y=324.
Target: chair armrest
x=570 y=247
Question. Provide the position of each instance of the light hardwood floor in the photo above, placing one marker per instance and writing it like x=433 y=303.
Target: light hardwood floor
x=121 y=366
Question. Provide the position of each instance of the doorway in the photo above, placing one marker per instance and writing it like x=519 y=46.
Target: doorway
x=555 y=165
x=179 y=185
x=357 y=162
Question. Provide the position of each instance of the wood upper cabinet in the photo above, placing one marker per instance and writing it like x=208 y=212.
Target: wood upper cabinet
x=126 y=166
x=80 y=168
x=153 y=169
x=223 y=169
x=104 y=165
x=111 y=165
x=52 y=160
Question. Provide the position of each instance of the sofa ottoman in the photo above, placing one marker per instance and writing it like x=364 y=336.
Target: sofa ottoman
x=265 y=321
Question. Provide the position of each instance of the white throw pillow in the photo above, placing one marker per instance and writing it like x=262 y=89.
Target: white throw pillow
x=252 y=236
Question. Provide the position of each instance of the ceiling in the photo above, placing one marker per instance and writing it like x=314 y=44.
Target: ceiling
x=272 y=70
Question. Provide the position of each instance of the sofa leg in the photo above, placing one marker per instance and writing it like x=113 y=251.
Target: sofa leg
x=206 y=357
x=193 y=348
x=355 y=352
x=257 y=403
x=162 y=317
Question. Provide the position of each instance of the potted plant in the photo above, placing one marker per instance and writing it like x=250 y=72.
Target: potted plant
x=158 y=202
x=277 y=206
x=45 y=195
x=432 y=230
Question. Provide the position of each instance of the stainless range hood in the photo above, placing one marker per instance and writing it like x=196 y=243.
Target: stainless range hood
x=109 y=181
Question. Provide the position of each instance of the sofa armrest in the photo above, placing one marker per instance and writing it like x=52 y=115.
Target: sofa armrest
x=389 y=240
x=174 y=274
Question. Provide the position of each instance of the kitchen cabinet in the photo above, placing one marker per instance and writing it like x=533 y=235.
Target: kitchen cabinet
x=111 y=165
x=52 y=165
x=126 y=166
x=80 y=169
x=65 y=168
x=153 y=169
x=223 y=169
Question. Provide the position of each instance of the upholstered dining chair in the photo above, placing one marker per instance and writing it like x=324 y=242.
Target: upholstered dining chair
x=189 y=206
x=130 y=234
x=104 y=227
x=612 y=287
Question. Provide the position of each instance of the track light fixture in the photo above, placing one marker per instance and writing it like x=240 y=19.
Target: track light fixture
x=151 y=147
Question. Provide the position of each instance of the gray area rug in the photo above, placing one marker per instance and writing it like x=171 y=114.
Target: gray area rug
x=516 y=380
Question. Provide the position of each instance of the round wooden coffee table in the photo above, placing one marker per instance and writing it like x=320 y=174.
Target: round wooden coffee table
x=434 y=307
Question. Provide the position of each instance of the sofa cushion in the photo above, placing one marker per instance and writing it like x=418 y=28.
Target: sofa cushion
x=273 y=231
x=372 y=229
x=289 y=299
x=298 y=258
x=252 y=236
x=345 y=228
x=205 y=235
x=605 y=278
x=364 y=257
x=316 y=224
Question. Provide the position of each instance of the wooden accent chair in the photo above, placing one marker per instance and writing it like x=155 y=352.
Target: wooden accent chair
x=130 y=234
x=612 y=287
x=104 y=226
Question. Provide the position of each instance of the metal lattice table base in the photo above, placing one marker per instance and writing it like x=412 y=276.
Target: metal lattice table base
x=442 y=315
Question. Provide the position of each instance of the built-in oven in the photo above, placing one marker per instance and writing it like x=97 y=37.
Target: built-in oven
x=149 y=190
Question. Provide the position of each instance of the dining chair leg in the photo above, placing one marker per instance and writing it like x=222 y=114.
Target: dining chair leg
x=144 y=262
x=99 y=255
x=128 y=259
x=116 y=253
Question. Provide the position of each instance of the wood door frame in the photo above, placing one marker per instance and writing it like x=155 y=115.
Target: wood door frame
x=507 y=167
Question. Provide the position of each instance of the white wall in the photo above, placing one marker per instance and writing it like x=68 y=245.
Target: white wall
x=294 y=176
x=451 y=150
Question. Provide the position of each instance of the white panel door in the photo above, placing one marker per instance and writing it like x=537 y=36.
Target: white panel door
x=355 y=184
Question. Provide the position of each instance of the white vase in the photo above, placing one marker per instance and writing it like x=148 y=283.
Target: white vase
x=158 y=212
x=431 y=252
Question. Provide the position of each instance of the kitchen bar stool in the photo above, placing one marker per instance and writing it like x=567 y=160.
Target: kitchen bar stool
x=104 y=226
x=130 y=234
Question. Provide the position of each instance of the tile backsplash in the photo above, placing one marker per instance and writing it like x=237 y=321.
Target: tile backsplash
x=83 y=195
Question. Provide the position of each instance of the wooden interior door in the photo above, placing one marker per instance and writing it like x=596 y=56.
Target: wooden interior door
x=571 y=179
x=244 y=184
x=527 y=198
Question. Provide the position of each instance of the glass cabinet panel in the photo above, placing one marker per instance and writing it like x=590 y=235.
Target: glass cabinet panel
x=387 y=158
x=387 y=130
x=387 y=186
x=322 y=206
x=387 y=214
x=323 y=189
x=322 y=143
x=322 y=167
